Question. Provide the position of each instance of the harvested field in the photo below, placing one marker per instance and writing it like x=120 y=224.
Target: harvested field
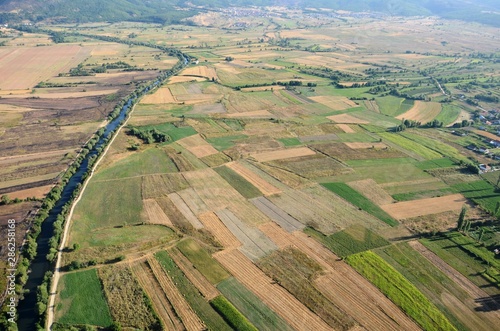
x=188 y=317
x=335 y=102
x=278 y=215
x=161 y=96
x=202 y=284
x=346 y=128
x=155 y=186
x=181 y=205
x=200 y=71
x=414 y=208
x=321 y=137
x=257 y=181
x=159 y=300
x=370 y=189
x=487 y=134
x=314 y=166
x=198 y=146
x=376 y=146
x=17 y=64
x=253 y=114
x=217 y=194
x=346 y=119
x=184 y=79
x=213 y=224
x=156 y=214
x=423 y=112
x=37 y=192
x=193 y=201
x=263 y=88
x=283 y=154
x=344 y=152
x=273 y=295
x=255 y=243
x=181 y=161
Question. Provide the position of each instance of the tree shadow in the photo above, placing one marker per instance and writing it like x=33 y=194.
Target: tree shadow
x=490 y=303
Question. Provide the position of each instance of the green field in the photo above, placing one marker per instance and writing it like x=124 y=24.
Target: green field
x=200 y=306
x=175 y=133
x=150 y=161
x=290 y=141
x=449 y=114
x=411 y=146
x=393 y=106
x=434 y=164
x=463 y=261
x=436 y=145
x=428 y=193
x=225 y=142
x=232 y=316
x=240 y=184
x=360 y=201
x=251 y=306
x=82 y=300
x=481 y=192
x=399 y=290
x=424 y=275
x=349 y=241
x=202 y=261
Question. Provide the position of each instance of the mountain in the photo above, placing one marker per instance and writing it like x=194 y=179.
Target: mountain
x=165 y=11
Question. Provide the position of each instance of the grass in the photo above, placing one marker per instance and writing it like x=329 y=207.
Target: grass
x=128 y=303
x=175 y=133
x=399 y=290
x=461 y=260
x=232 y=316
x=240 y=184
x=295 y=271
x=251 y=306
x=82 y=300
x=149 y=161
x=436 y=145
x=481 y=192
x=127 y=235
x=203 y=261
x=407 y=196
x=223 y=143
x=434 y=164
x=290 y=141
x=411 y=146
x=200 y=306
x=360 y=201
x=393 y=106
x=449 y=114
x=349 y=241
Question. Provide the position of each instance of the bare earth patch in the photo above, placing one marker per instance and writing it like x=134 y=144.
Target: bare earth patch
x=414 y=208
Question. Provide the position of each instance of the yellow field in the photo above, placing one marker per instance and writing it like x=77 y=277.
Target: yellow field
x=201 y=71
x=422 y=112
x=163 y=95
x=184 y=79
x=335 y=102
x=283 y=154
x=198 y=146
x=414 y=208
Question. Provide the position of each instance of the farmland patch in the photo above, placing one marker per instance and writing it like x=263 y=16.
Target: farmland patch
x=407 y=209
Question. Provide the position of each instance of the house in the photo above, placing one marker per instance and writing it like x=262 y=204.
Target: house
x=483 y=150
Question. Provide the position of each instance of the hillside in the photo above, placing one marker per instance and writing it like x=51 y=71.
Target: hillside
x=164 y=11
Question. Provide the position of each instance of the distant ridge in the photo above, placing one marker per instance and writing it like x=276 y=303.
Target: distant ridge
x=171 y=11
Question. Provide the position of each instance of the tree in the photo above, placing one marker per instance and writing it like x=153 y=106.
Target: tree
x=5 y=200
x=461 y=219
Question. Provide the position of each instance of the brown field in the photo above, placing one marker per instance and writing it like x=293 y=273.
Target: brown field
x=185 y=210
x=283 y=154
x=161 y=96
x=37 y=192
x=344 y=152
x=480 y=319
x=271 y=294
x=17 y=63
x=257 y=181
x=255 y=113
x=487 y=134
x=407 y=209
x=63 y=95
x=217 y=194
x=184 y=79
x=188 y=317
x=366 y=145
x=201 y=71
x=347 y=119
x=335 y=102
x=198 y=146
x=202 y=284
x=370 y=189
x=215 y=226
x=159 y=299
x=422 y=112
x=155 y=186
x=346 y=128
x=262 y=88
x=156 y=214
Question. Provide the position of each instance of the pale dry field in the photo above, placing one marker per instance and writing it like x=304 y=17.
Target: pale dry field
x=335 y=102
x=156 y=214
x=184 y=79
x=487 y=134
x=201 y=71
x=346 y=119
x=366 y=145
x=422 y=112
x=346 y=128
x=262 y=185
x=198 y=146
x=37 y=192
x=254 y=114
x=414 y=208
x=283 y=154
x=221 y=233
x=161 y=96
x=370 y=189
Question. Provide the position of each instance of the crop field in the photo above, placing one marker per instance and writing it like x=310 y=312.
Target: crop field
x=345 y=151
x=262 y=185
x=411 y=146
x=82 y=301
x=393 y=106
x=371 y=190
x=422 y=112
x=481 y=192
x=346 y=119
x=243 y=186
x=161 y=96
x=400 y=290
x=413 y=208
